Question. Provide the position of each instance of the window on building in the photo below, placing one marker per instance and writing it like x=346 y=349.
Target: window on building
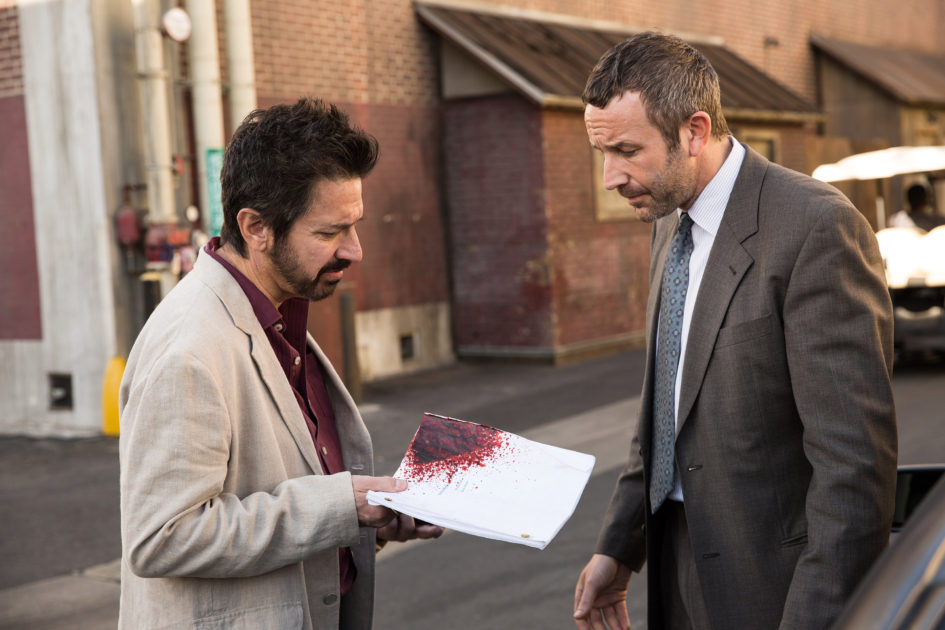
x=767 y=143
x=408 y=347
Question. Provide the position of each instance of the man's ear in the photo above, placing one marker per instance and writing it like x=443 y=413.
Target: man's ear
x=698 y=128
x=255 y=232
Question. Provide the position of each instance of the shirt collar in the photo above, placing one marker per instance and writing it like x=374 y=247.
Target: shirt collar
x=709 y=207
x=266 y=313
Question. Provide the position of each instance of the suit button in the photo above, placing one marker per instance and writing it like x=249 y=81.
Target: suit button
x=329 y=599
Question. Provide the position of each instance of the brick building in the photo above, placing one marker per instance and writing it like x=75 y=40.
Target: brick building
x=487 y=233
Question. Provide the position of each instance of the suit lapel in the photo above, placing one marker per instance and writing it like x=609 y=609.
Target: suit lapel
x=356 y=446
x=276 y=382
x=724 y=270
x=215 y=276
x=726 y=266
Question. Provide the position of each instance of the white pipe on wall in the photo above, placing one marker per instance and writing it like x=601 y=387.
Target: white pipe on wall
x=152 y=84
x=205 y=80
x=239 y=59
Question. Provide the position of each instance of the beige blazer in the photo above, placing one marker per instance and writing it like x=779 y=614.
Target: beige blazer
x=787 y=445
x=227 y=520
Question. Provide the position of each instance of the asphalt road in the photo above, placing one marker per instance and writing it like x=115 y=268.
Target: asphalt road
x=59 y=507
x=467 y=583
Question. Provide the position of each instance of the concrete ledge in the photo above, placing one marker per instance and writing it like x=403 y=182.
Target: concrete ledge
x=559 y=355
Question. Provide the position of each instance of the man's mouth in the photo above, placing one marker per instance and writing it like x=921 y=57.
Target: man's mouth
x=334 y=270
x=634 y=196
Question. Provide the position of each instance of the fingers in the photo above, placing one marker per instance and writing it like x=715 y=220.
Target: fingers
x=580 y=617
x=584 y=595
x=390 y=525
x=374 y=515
x=403 y=528
x=617 y=617
x=600 y=595
x=363 y=483
x=425 y=532
x=609 y=618
x=589 y=586
x=597 y=620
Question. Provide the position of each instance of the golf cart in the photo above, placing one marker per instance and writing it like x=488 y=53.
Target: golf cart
x=913 y=258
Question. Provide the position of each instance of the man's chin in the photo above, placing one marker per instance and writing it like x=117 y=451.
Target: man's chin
x=649 y=214
x=324 y=289
x=645 y=214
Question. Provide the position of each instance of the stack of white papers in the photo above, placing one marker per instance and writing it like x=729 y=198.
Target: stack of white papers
x=486 y=482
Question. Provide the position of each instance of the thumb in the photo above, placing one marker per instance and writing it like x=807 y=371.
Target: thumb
x=388 y=484
x=583 y=604
x=584 y=597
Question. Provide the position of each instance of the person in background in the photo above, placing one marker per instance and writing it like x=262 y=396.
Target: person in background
x=919 y=214
x=244 y=461
x=761 y=479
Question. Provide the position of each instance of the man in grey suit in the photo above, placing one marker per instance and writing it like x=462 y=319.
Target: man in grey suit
x=244 y=462
x=760 y=483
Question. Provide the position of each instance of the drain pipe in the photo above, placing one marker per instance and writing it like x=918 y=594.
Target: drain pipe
x=240 y=64
x=152 y=85
x=205 y=86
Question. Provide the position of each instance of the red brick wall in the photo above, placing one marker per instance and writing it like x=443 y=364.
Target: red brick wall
x=600 y=268
x=496 y=194
x=531 y=266
x=744 y=25
x=403 y=235
x=377 y=62
x=11 y=69
x=353 y=51
x=20 y=316
x=380 y=67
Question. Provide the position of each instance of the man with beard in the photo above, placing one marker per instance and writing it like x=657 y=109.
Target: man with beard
x=761 y=478
x=244 y=461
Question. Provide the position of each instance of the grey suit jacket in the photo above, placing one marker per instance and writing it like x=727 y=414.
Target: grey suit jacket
x=227 y=520
x=786 y=449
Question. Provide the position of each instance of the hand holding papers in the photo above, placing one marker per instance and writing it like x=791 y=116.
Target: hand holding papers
x=486 y=482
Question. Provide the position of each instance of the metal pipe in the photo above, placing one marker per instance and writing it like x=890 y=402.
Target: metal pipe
x=152 y=85
x=237 y=20
x=206 y=96
x=349 y=347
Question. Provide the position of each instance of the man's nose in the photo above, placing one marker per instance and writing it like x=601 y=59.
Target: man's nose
x=614 y=175
x=350 y=248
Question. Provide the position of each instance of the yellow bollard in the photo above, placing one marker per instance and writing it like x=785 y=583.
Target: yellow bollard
x=110 y=385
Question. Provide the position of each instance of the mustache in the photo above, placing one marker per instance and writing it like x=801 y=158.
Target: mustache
x=628 y=191
x=337 y=265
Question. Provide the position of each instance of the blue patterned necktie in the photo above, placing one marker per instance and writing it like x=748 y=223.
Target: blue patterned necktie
x=672 y=306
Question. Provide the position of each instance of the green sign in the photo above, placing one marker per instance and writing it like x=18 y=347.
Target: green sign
x=214 y=159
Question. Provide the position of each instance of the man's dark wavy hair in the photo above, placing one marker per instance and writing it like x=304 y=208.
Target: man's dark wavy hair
x=674 y=81
x=279 y=155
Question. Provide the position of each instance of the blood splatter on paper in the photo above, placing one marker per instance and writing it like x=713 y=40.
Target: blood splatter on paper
x=442 y=447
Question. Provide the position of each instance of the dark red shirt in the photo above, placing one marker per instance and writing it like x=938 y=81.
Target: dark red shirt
x=286 y=329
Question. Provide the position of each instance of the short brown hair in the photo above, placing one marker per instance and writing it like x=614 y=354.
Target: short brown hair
x=674 y=81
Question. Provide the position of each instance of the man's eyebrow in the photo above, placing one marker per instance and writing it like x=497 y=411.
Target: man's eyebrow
x=621 y=146
x=341 y=225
